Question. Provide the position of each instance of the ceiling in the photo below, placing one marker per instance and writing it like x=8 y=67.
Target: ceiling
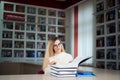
x=61 y=4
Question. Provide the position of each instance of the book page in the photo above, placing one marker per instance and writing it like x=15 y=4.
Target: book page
x=78 y=60
x=74 y=64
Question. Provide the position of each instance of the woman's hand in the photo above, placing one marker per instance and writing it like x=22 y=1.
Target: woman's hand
x=52 y=63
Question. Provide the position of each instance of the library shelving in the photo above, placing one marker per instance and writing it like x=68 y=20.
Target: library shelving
x=26 y=29
x=107 y=52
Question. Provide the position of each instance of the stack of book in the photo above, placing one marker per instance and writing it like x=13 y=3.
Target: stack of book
x=68 y=70
x=63 y=71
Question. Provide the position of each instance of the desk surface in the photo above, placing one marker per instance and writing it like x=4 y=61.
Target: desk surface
x=101 y=74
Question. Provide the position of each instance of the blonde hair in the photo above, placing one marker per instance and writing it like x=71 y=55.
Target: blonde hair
x=50 y=52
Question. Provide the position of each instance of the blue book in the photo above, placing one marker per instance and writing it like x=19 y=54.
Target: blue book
x=87 y=74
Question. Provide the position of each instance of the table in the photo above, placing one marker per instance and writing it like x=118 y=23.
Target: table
x=101 y=74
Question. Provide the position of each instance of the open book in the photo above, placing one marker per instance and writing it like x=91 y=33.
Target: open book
x=69 y=69
x=74 y=64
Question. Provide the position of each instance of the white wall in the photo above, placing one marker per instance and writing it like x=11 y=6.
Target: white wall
x=85 y=29
x=69 y=31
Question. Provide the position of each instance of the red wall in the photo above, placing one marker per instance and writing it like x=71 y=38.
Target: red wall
x=75 y=31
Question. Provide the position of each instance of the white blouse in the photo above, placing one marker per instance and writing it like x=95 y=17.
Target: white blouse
x=60 y=59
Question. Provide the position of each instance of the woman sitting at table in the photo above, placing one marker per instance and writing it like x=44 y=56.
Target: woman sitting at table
x=55 y=54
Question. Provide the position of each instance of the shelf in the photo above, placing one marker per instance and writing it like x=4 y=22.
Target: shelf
x=111 y=54
x=42 y=20
x=26 y=30
x=19 y=35
x=8 y=25
x=110 y=3
x=100 y=6
x=111 y=65
x=62 y=37
x=7 y=34
x=41 y=45
x=61 y=14
x=52 y=13
x=40 y=54
x=111 y=28
x=107 y=14
x=41 y=11
x=119 y=54
x=100 y=30
x=111 y=41
x=41 y=28
x=30 y=36
x=30 y=54
x=41 y=37
x=118 y=26
x=100 y=54
x=30 y=45
x=19 y=26
x=6 y=53
x=110 y=15
x=61 y=22
x=100 y=42
x=100 y=18
x=31 y=10
x=20 y=8
x=52 y=21
x=118 y=40
x=18 y=44
x=51 y=36
x=19 y=53
x=30 y=27
x=61 y=30
x=8 y=7
x=52 y=29
x=118 y=2
x=100 y=64
x=7 y=44
x=31 y=18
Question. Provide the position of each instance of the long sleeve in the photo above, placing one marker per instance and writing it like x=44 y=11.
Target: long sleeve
x=60 y=59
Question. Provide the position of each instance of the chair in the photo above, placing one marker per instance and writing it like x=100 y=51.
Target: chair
x=40 y=72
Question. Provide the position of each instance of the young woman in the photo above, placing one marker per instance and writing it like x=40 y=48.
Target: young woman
x=55 y=54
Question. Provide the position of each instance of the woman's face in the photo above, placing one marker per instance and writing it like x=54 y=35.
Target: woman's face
x=57 y=46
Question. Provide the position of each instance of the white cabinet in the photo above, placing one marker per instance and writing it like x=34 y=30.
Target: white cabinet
x=26 y=29
x=107 y=34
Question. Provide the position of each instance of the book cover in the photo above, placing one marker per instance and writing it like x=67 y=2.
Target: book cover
x=65 y=75
x=86 y=74
x=63 y=72
x=63 y=69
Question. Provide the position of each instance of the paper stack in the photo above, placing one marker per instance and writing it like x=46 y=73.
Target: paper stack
x=63 y=71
